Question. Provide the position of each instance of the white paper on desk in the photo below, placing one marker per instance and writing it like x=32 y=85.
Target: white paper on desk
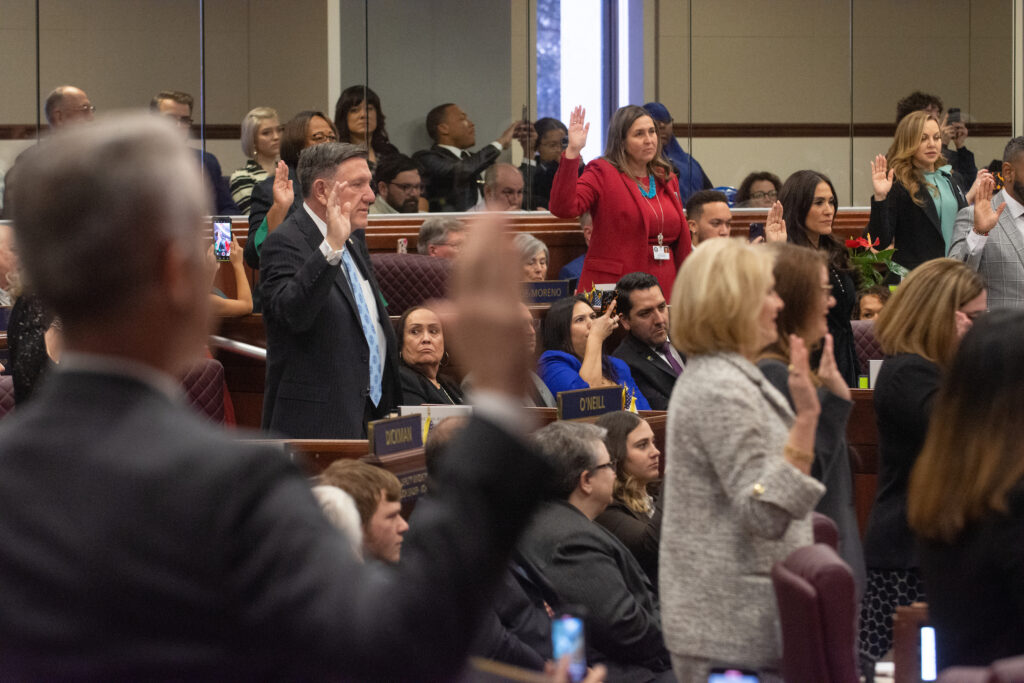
x=873 y=367
x=434 y=414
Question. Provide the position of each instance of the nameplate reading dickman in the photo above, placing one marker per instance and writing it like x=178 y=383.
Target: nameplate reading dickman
x=395 y=434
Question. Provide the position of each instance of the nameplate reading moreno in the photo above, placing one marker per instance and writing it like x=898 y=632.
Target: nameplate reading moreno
x=573 y=405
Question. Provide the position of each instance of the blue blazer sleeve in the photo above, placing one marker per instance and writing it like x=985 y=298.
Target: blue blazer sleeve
x=560 y=371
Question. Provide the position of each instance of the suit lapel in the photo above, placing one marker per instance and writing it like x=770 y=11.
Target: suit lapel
x=929 y=207
x=1008 y=226
x=648 y=354
x=314 y=239
x=641 y=204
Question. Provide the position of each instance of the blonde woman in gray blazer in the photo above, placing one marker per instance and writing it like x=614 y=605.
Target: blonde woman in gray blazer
x=738 y=490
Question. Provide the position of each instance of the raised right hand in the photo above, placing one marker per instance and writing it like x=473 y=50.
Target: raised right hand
x=775 y=225
x=284 y=195
x=881 y=182
x=339 y=211
x=801 y=387
x=578 y=129
x=985 y=217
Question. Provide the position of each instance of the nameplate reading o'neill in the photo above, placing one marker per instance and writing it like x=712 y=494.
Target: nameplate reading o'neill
x=546 y=292
x=395 y=434
x=573 y=405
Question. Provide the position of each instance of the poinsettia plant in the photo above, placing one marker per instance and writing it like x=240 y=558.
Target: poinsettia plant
x=872 y=263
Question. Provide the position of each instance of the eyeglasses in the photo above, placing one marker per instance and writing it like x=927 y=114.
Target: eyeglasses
x=771 y=194
x=83 y=108
x=406 y=187
x=323 y=137
x=827 y=290
x=608 y=464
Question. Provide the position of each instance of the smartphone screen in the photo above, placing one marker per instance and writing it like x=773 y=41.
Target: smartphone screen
x=222 y=237
x=929 y=666
x=567 y=639
x=732 y=676
x=756 y=230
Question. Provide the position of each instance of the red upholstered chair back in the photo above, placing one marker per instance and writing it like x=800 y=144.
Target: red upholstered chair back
x=204 y=385
x=6 y=394
x=407 y=280
x=864 y=341
x=825 y=530
x=818 y=611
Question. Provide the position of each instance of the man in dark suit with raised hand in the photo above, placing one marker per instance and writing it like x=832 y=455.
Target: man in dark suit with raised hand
x=331 y=351
x=653 y=362
x=140 y=542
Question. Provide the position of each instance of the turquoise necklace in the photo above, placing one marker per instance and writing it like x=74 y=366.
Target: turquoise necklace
x=650 y=191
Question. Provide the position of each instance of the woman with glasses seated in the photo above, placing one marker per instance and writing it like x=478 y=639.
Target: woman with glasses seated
x=919 y=330
x=261 y=144
x=634 y=515
x=759 y=190
x=275 y=198
x=422 y=354
x=359 y=120
x=574 y=358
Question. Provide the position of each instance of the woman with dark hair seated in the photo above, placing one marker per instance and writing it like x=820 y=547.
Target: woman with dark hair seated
x=360 y=121
x=634 y=515
x=759 y=189
x=966 y=499
x=275 y=198
x=574 y=358
x=801 y=281
x=541 y=174
x=421 y=356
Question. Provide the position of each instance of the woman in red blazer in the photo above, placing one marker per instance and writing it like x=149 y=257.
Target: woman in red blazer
x=633 y=197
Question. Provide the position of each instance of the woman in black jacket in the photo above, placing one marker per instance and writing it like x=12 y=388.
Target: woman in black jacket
x=634 y=515
x=919 y=330
x=916 y=193
x=422 y=352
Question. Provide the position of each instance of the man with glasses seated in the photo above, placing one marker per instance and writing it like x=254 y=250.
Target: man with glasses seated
x=177 y=106
x=67 y=104
x=503 y=189
x=398 y=185
x=588 y=566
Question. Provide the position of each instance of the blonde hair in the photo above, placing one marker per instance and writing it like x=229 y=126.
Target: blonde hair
x=900 y=156
x=972 y=457
x=251 y=128
x=717 y=297
x=920 y=317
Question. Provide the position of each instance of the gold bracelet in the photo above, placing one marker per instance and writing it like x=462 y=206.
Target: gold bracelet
x=797 y=456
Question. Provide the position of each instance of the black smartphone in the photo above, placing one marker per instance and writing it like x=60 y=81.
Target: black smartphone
x=756 y=230
x=222 y=237
x=954 y=115
x=567 y=638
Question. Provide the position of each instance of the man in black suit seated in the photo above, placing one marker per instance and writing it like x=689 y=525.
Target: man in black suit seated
x=450 y=171
x=177 y=106
x=587 y=565
x=141 y=542
x=332 y=358
x=653 y=361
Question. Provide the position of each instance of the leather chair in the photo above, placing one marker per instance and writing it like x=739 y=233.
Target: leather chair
x=407 y=280
x=204 y=386
x=825 y=530
x=6 y=394
x=865 y=343
x=818 y=612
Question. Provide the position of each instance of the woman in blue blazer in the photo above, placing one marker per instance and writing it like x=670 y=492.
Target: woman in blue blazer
x=574 y=358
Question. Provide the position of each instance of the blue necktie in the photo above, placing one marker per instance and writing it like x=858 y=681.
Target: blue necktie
x=369 y=328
